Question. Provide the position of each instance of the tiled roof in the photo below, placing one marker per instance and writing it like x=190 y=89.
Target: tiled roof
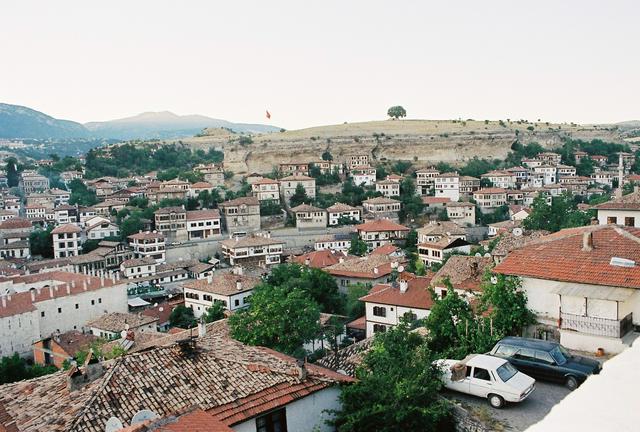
x=561 y=257
x=168 y=210
x=509 y=241
x=490 y=191
x=435 y=200
x=306 y=208
x=138 y=262
x=464 y=272
x=626 y=202
x=146 y=236
x=364 y=267
x=319 y=259
x=378 y=225
x=296 y=178
x=265 y=180
x=60 y=283
x=443 y=228
x=380 y=200
x=73 y=341
x=15 y=223
x=195 y=421
x=224 y=284
x=347 y=359
x=201 y=185
x=223 y=377
x=416 y=296
x=252 y=201
x=460 y=204
x=386 y=249
x=66 y=229
x=340 y=207
x=117 y=321
x=161 y=312
x=203 y=214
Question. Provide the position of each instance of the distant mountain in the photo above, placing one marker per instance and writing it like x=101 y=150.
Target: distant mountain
x=21 y=122
x=630 y=124
x=166 y=125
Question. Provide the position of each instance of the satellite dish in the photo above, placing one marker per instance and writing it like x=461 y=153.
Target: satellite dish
x=113 y=424
x=494 y=280
x=126 y=326
x=160 y=309
x=143 y=415
x=487 y=255
x=478 y=254
x=123 y=334
x=401 y=269
x=517 y=232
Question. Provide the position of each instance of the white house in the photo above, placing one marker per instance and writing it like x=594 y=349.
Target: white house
x=288 y=186
x=388 y=188
x=379 y=232
x=233 y=290
x=66 y=241
x=135 y=268
x=363 y=175
x=309 y=217
x=448 y=185
x=340 y=211
x=148 y=244
x=266 y=189
x=624 y=210
x=387 y=304
x=462 y=213
x=253 y=249
x=583 y=283
x=111 y=325
x=102 y=230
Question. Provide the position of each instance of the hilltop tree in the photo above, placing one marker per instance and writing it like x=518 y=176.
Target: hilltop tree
x=396 y=112
x=299 y=196
x=327 y=156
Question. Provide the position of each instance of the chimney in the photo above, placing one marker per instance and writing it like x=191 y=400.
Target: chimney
x=587 y=241
x=4 y=301
x=302 y=370
x=91 y=371
x=84 y=284
x=51 y=291
x=307 y=261
x=341 y=260
x=209 y=278
x=68 y=289
x=202 y=328
x=375 y=270
x=239 y=284
x=404 y=285
x=33 y=294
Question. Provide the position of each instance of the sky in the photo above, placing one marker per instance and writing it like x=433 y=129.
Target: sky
x=326 y=62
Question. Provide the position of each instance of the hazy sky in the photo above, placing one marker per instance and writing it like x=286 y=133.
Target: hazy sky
x=313 y=63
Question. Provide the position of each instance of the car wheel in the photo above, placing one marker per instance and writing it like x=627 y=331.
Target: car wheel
x=496 y=401
x=571 y=383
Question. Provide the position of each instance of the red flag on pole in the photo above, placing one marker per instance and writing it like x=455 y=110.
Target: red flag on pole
x=268 y=114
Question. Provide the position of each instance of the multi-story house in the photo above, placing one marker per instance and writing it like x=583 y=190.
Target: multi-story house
x=425 y=180
x=583 y=284
x=102 y=230
x=293 y=169
x=363 y=175
x=60 y=196
x=521 y=174
x=468 y=185
x=172 y=223
x=197 y=188
x=501 y=179
x=35 y=211
x=212 y=174
x=462 y=213
x=31 y=182
x=448 y=186
x=329 y=167
x=379 y=232
x=6 y=214
x=203 y=224
x=288 y=186
x=68 y=176
x=47 y=303
x=136 y=268
x=599 y=160
x=66 y=241
x=257 y=250
x=624 y=210
x=343 y=212
x=434 y=252
x=65 y=214
x=148 y=244
x=579 y=155
x=565 y=171
x=387 y=304
x=532 y=163
x=309 y=217
x=549 y=172
x=241 y=215
x=368 y=270
x=12 y=203
x=549 y=157
x=602 y=178
x=437 y=231
x=357 y=161
x=111 y=325
x=388 y=188
x=266 y=189
x=231 y=289
x=382 y=208
x=336 y=242
x=489 y=199
x=15 y=230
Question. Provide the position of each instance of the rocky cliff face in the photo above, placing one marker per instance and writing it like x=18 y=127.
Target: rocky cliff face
x=425 y=143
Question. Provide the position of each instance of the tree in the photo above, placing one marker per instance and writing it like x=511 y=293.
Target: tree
x=80 y=194
x=585 y=167
x=15 y=368
x=182 y=317
x=412 y=205
x=214 y=313
x=507 y=304
x=562 y=213
x=327 y=156
x=12 y=172
x=354 y=308
x=396 y=112
x=41 y=242
x=358 y=246
x=397 y=388
x=130 y=225
x=299 y=196
x=277 y=318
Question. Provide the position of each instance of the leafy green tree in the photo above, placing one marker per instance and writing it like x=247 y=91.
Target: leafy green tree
x=41 y=242
x=327 y=156
x=507 y=304
x=182 y=317
x=412 y=205
x=354 y=308
x=318 y=284
x=396 y=112
x=270 y=208
x=13 y=177
x=277 y=318
x=80 y=194
x=562 y=213
x=585 y=167
x=411 y=241
x=358 y=246
x=397 y=388
x=15 y=368
x=214 y=313
x=131 y=225
x=299 y=196
x=381 y=172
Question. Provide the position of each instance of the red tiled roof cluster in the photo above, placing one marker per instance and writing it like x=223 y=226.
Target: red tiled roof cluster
x=416 y=296
x=378 y=225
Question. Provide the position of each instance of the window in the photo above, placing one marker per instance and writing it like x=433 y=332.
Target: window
x=544 y=357
x=525 y=354
x=379 y=311
x=100 y=300
x=236 y=302
x=275 y=421
x=42 y=314
x=59 y=310
x=505 y=351
x=481 y=374
x=77 y=306
x=93 y=302
x=629 y=221
x=612 y=220
x=379 y=328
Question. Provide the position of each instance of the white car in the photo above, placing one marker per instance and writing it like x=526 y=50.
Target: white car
x=488 y=377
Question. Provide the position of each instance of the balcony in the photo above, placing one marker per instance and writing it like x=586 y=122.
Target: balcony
x=597 y=326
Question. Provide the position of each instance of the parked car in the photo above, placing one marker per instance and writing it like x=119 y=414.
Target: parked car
x=546 y=360
x=488 y=377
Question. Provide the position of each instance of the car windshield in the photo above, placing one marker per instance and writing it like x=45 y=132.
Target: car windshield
x=560 y=355
x=506 y=372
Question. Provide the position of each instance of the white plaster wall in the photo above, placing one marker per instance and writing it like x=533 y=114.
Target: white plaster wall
x=17 y=333
x=620 y=215
x=306 y=414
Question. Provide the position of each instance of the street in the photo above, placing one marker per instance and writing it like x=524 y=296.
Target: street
x=515 y=416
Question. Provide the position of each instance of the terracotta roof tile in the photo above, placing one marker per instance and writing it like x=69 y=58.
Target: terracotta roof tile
x=416 y=296
x=381 y=225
